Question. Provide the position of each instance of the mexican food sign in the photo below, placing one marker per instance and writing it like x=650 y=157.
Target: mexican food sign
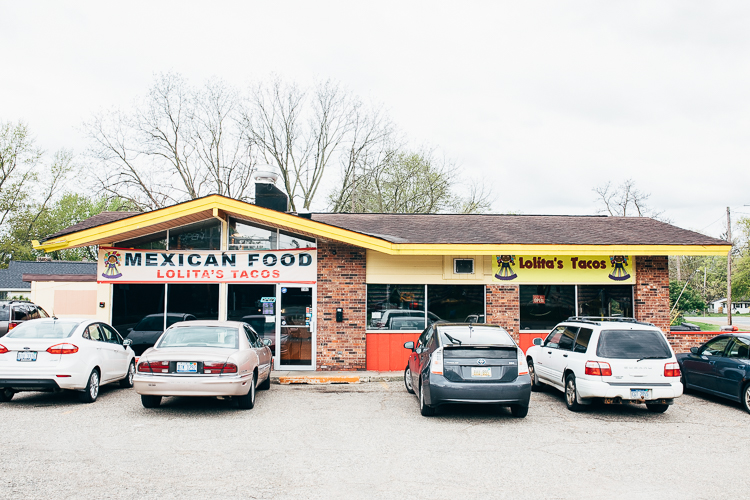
x=124 y=265
x=582 y=269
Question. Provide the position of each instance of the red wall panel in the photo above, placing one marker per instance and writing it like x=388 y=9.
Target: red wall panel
x=386 y=353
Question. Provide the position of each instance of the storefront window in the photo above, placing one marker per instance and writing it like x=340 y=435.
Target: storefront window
x=255 y=305
x=605 y=300
x=246 y=236
x=396 y=307
x=543 y=306
x=156 y=241
x=292 y=241
x=456 y=303
x=133 y=302
x=204 y=235
x=200 y=300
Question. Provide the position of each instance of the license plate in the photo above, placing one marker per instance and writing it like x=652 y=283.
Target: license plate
x=640 y=394
x=26 y=356
x=187 y=367
x=481 y=372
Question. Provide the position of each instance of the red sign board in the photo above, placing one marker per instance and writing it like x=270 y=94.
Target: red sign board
x=539 y=299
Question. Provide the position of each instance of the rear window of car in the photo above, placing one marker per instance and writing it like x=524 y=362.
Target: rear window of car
x=200 y=336
x=4 y=312
x=43 y=330
x=632 y=344
x=150 y=324
x=474 y=336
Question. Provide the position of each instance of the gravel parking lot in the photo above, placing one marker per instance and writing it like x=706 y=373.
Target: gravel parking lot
x=366 y=441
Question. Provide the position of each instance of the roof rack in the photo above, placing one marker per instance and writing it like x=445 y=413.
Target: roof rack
x=597 y=320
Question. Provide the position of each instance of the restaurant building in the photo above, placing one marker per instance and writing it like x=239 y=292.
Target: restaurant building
x=344 y=291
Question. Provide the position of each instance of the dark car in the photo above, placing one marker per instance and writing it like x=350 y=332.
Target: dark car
x=15 y=312
x=721 y=366
x=149 y=329
x=467 y=363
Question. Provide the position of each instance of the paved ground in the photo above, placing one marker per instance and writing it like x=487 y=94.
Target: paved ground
x=366 y=441
x=743 y=322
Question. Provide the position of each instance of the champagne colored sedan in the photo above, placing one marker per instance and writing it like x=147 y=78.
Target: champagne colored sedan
x=205 y=358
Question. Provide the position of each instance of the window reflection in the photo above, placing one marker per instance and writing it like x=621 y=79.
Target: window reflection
x=246 y=236
x=605 y=300
x=204 y=235
x=544 y=306
x=156 y=241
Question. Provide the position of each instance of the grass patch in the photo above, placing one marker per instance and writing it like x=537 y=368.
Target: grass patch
x=707 y=327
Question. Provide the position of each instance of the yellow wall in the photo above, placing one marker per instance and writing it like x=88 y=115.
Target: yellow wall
x=425 y=269
x=72 y=298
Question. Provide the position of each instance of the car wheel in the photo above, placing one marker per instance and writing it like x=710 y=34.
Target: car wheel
x=266 y=384
x=247 y=401
x=91 y=392
x=6 y=395
x=127 y=382
x=657 y=408
x=746 y=397
x=519 y=411
x=571 y=394
x=150 y=401
x=407 y=380
x=424 y=409
x=536 y=386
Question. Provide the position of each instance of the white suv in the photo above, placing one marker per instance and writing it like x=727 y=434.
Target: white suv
x=619 y=360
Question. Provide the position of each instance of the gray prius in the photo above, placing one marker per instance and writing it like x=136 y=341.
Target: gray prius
x=467 y=363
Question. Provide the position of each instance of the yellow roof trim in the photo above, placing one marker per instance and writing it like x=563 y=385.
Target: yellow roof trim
x=216 y=204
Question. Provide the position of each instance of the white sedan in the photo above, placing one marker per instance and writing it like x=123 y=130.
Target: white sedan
x=205 y=358
x=52 y=354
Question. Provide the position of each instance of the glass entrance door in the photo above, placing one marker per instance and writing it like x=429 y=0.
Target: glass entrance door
x=296 y=331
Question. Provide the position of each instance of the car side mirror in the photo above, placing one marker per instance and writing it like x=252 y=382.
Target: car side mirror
x=538 y=341
x=127 y=343
x=694 y=350
x=409 y=345
x=267 y=342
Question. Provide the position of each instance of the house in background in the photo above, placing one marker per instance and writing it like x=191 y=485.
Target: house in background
x=738 y=307
x=59 y=287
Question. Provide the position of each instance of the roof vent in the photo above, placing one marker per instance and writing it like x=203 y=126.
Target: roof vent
x=267 y=195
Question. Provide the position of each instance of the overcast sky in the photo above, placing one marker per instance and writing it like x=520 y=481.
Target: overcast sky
x=542 y=100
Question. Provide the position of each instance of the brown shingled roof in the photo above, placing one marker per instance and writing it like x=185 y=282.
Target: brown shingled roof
x=97 y=220
x=516 y=229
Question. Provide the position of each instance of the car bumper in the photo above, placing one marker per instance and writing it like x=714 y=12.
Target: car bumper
x=621 y=390
x=29 y=384
x=47 y=378
x=439 y=391
x=192 y=385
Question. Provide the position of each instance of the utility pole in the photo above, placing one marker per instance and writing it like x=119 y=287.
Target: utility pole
x=729 y=270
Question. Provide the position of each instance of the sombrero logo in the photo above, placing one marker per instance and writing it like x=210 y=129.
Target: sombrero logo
x=505 y=270
x=111 y=261
x=619 y=273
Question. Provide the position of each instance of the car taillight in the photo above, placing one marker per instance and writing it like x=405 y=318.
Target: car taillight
x=12 y=325
x=3 y=349
x=219 y=368
x=598 y=368
x=523 y=367
x=672 y=370
x=63 y=349
x=153 y=367
x=436 y=363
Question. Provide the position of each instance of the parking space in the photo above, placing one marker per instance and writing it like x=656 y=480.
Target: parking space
x=366 y=441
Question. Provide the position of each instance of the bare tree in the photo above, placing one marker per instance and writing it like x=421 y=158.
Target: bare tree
x=300 y=132
x=178 y=143
x=624 y=200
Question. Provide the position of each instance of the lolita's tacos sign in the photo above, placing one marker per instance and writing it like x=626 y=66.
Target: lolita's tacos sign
x=118 y=265
x=582 y=269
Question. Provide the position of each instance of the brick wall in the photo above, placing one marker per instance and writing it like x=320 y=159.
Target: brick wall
x=652 y=290
x=341 y=283
x=504 y=308
x=683 y=341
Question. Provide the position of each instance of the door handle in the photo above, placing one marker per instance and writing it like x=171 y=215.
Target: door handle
x=565 y=355
x=549 y=352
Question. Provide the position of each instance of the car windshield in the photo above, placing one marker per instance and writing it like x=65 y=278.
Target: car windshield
x=476 y=335
x=43 y=330
x=4 y=312
x=632 y=344
x=200 y=336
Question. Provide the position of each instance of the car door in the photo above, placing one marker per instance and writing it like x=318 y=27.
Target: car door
x=418 y=357
x=101 y=357
x=699 y=368
x=544 y=363
x=263 y=353
x=117 y=354
x=730 y=370
x=557 y=359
